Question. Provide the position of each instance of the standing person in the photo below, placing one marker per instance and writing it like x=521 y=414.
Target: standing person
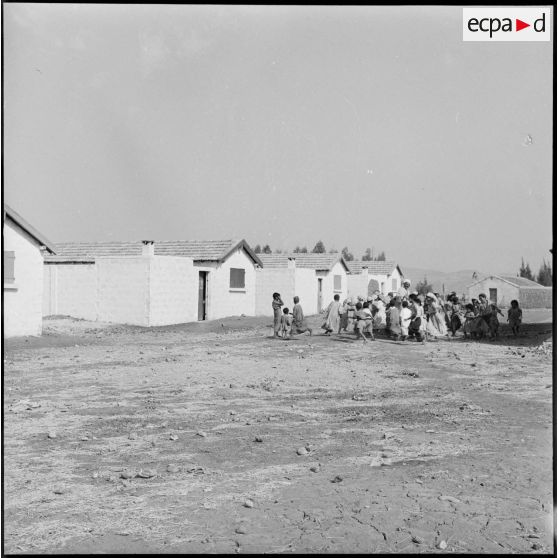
x=417 y=326
x=343 y=317
x=379 y=313
x=404 y=290
x=405 y=319
x=435 y=324
x=393 y=328
x=493 y=323
x=515 y=315
x=332 y=318
x=456 y=315
x=299 y=324
x=369 y=322
x=351 y=313
x=360 y=322
x=286 y=323
x=276 y=305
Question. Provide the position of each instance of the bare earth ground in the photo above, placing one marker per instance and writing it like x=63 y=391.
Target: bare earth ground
x=409 y=444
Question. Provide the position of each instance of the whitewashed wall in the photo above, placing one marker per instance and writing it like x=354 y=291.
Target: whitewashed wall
x=23 y=299
x=393 y=281
x=123 y=290
x=357 y=284
x=328 y=284
x=70 y=290
x=224 y=301
x=273 y=280
x=306 y=288
x=173 y=289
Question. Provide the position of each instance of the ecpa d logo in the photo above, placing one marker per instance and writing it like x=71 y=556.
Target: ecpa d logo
x=506 y=24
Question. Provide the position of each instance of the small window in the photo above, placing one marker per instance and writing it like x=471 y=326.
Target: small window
x=337 y=282
x=9 y=259
x=237 y=278
x=493 y=295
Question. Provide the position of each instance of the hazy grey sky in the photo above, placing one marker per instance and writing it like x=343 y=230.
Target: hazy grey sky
x=359 y=126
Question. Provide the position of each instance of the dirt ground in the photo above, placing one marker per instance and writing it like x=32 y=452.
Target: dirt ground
x=215 y=438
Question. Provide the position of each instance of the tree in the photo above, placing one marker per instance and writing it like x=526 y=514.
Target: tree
x=334 y=251
x=319 y=248
x=381 y=257
x=544 y=276
x=424 y=287
x=525 y=270
x=297 y=250
x=347 y=256
x=258 y=249
x=278 y=251
x=368 y=257
x=304 y=250
x=266 y=249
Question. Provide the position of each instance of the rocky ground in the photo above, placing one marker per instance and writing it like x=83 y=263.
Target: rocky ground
x=216 y=438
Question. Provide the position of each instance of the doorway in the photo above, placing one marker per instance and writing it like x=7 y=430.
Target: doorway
x=319 y=294
x=493 y=295
x=202 y=296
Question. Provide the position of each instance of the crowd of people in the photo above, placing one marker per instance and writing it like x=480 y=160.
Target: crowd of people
x=402 y=315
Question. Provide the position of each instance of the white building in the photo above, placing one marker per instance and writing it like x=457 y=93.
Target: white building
x=23 y=253
x=501 y=290
x=368 y=276
x=314 y=278
x=151 y=284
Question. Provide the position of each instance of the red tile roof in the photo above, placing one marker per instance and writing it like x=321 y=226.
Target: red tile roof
x=374 y=267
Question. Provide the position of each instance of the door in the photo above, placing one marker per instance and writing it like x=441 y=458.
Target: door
x=493 y=295
x=202 y=296
x=319 y=295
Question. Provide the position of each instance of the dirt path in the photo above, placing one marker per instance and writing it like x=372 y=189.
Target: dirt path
x=403 y=445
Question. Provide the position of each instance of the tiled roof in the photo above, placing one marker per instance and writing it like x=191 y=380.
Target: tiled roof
x=198 y=250
x=21 y=222
x=520 y=281
x=319 y=262
x=374 y=267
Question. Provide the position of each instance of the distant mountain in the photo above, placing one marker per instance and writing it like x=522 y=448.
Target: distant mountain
x=441 y=281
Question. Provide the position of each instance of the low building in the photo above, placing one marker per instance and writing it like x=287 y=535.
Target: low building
x=502 y=290
x=314 y=278
x=369 y=276
x=23 y=252
x=151 y=283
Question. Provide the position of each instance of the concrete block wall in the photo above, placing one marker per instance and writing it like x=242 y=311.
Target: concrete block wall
x=23 y=299
x=123 y=290
x=272 y=280
x=224 y=301
x=535 y=297
x=70 y=290
x=173 y=288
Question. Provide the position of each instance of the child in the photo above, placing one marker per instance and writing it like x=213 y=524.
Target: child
x=417 y=326
x=393 y=328
x=493 y=324
x=405 y=319
x=286 y=322
x=360 y=319
x=344 y=316
x=515 y=315
x=470 y=319
x=276 y=305
x=368 y=324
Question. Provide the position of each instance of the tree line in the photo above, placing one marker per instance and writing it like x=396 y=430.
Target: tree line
x=543 y=277
x=320 y=248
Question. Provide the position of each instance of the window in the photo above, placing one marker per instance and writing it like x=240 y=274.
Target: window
x=493 y=295
x=337 y=282
x=9 y=259
x=237 y=278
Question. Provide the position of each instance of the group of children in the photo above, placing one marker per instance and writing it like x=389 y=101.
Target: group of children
x=401 y=316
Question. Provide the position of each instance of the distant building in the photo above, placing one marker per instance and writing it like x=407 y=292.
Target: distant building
x=369 y=276
x=314 y=278
x=503 y=289
x=151 y=283
x=23 y=253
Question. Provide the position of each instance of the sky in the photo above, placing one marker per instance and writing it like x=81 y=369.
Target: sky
x=363 y=127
